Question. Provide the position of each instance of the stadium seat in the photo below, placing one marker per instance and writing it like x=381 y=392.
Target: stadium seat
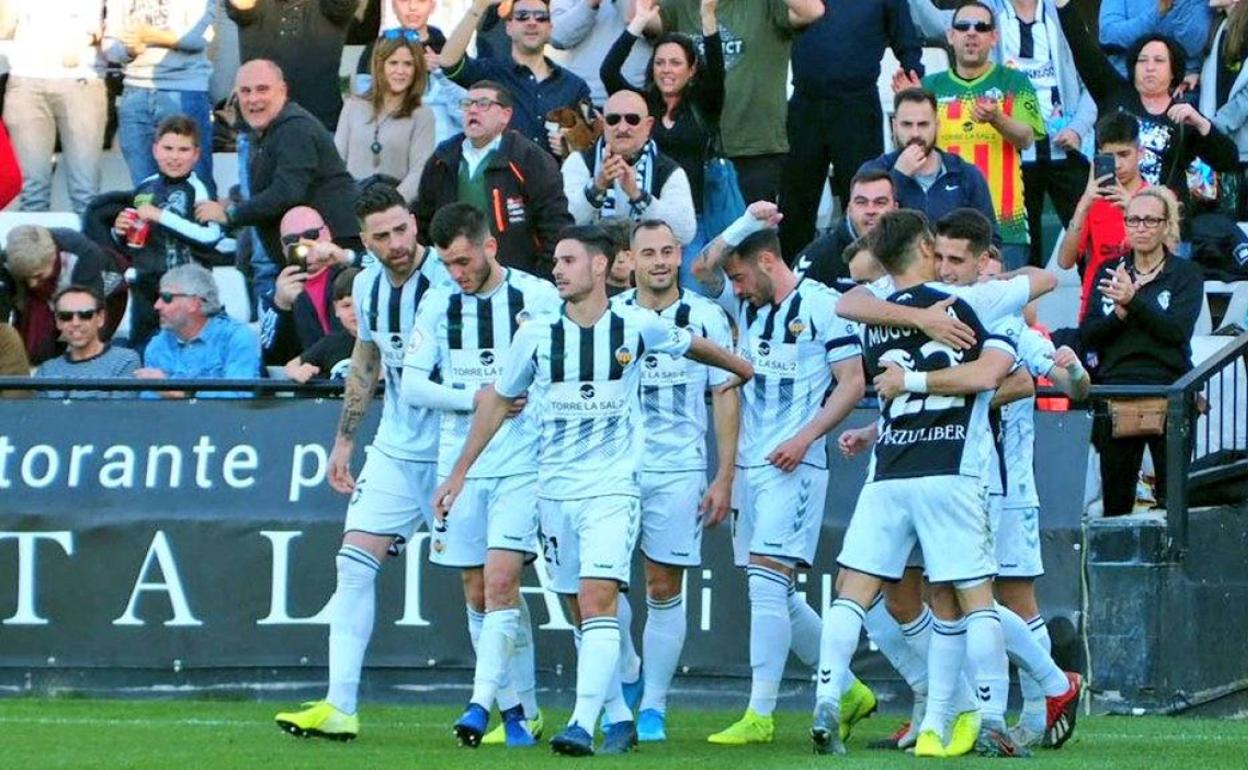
x=11 y=219
x=1237 y=308
x=1228 y=401
x=233 y=289
x=1059 y=309
x=1065 y=277
x=1204 y=321
x=225 y=171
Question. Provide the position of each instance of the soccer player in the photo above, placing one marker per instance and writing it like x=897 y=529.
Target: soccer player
x=676 y=501
x=925 y=483
x=391 y=496
x=582 y=370
x=962 y=259
x=790 y=331
x=455 y=349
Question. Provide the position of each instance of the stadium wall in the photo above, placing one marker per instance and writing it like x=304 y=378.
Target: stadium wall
x=197 y=536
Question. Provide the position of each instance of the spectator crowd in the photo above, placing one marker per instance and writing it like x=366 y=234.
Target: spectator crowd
x=1128 y=117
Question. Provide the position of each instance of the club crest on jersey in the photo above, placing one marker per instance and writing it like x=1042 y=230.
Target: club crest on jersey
x=396 y=342
x=587 y=391
x=796 y=327
x=1163 y=299
x=522 y=317
x=487 y=357
x=623 y=356
x=413 y=343
x=763 y=347
x=650 y=362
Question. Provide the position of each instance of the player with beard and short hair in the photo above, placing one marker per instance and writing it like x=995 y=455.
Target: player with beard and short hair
x=581 y=369
x=453 y=352
x=391 y=497
x=676 y=501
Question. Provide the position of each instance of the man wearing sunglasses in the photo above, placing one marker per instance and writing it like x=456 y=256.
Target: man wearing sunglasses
x=501 y=172
x=79 y=313
x=989 y=115
x=625 y=176
x=536 y=83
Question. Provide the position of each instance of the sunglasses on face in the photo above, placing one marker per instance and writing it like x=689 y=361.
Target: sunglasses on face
x=65 y=316
x=410 y=35
x=982 y=27
x=631 y=118
x=311 y=234
x=169 y=296
x=539 y=16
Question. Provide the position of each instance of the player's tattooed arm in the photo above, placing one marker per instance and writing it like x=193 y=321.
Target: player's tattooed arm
x=1017 y=386
x=708 y=265
x=361 y=382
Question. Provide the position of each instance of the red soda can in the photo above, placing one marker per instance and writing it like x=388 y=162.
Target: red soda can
x=136 y=236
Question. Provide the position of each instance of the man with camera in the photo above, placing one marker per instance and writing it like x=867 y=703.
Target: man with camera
x=303 y=300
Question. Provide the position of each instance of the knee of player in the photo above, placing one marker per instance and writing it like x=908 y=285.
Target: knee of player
x=663 y=583
x=502 y=589
x=598 y=598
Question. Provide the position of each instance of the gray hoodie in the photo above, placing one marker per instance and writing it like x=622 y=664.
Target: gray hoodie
x=184 y=67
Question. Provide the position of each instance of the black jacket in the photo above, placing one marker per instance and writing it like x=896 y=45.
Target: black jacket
x=299 y=328
x=1153 y=344
x=821 y=259
x=525 y=190
x=294 y=163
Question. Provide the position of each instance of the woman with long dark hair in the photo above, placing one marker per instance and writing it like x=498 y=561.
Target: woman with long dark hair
x=1139 y=326
x=388 y=130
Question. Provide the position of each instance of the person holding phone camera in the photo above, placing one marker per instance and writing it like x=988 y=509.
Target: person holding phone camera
x=303 y=300
x=1098 y=233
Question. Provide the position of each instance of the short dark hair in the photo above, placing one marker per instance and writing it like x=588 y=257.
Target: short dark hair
x=916 y=95
x=755 y=244
x=861 y=243
x=869 y=174
x=650 y=224
x=1178 y=57
x=963 y=4
x=344 y=282
x=1118 y=127
x=455 y=220
x=895 y=237
x=966 y=224
x=513 y=7
x=182 y=125
x=376 y=198
x=501 y=94
x=594 y=238
x=77 y=288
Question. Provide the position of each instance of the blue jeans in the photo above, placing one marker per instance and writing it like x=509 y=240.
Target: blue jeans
x=139 y=112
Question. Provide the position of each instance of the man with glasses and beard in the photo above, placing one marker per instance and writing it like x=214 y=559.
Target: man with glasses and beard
x=79 y=313
x=625 y=176
x=925 y=177
x=502 y=173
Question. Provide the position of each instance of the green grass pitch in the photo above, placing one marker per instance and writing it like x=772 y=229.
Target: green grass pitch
x=179 y=735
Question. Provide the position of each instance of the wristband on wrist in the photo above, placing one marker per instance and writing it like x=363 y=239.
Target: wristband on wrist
x=745 y=226
x=916 y=382
x=595 y=196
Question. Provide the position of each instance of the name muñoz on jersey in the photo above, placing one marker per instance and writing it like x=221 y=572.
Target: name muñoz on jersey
x=930 y=434
x=584 y=382
x=673 y=390
x=464 y=338
x=386 y=314
x=791 y=346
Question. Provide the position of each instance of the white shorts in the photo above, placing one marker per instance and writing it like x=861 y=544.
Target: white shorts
x=671 y=524
x=588 y=538
x=1017 y=532
x=778 y=514
x=392 y=497
x=946 y=515
x=498 y=513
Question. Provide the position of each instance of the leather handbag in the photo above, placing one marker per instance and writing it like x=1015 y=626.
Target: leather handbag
x=1135 y=417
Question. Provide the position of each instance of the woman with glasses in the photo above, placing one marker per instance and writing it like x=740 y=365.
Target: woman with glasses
x=1138 y=331
x=388 y=130
x=1173 y=133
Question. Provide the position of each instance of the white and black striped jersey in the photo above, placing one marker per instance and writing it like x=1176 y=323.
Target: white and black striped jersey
x=1015 y=470
x=584 y=385
x=386 y=314
x=465 y=337
x=673 y=390
x=792 y=346
x=932 y=434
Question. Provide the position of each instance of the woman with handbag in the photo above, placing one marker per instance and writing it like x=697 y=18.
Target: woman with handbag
x=1138 y=328
x=686 y=101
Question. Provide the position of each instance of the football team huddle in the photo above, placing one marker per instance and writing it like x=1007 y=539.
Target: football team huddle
x=524 y=420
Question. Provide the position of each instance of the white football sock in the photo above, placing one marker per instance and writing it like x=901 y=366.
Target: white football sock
x=475 y=619
x=661 y=643
x=1032 y=659
x=494 y=651
x=807 y=628
x=523 y=668
x=597 y=663
x=630 y=661
x=770 y=636
x=985 y=657
x=1035 y=713
x=351 y=624
x=945 y=657
x=887 y=634
x=841 y=629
